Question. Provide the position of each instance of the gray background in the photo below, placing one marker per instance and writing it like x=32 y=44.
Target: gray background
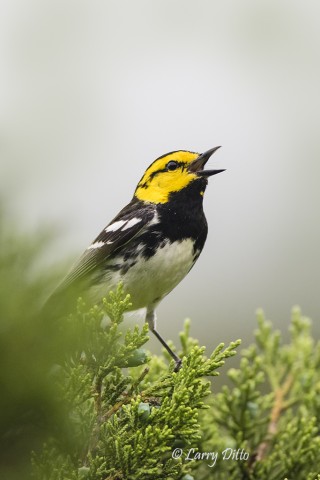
x=92 y=92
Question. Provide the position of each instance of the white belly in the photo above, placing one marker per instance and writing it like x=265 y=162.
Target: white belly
x=149 y=280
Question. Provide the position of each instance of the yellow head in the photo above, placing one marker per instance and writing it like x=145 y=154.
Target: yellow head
x=173 y=172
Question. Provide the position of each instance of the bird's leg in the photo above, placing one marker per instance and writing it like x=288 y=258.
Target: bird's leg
x=151 y=319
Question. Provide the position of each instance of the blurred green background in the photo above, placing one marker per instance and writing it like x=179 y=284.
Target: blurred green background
x=92 y=92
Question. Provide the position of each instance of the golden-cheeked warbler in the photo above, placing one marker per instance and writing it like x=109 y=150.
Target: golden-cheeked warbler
x=154 y=241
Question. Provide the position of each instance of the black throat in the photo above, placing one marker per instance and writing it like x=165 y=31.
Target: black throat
x=179 y=219
x=183 y=217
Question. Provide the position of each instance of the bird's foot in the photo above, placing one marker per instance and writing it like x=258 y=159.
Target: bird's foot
x=178 y=364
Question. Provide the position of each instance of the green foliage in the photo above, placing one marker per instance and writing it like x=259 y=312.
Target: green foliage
x=126 y=423
x=271 y=410
x=148 y=422
x=29 y=410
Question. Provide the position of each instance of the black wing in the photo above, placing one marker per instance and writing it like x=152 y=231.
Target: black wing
x=131 y=221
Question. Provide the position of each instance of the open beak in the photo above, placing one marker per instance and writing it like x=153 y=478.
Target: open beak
x=198 y=164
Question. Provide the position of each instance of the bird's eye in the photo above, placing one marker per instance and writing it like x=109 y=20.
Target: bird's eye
x=172 y=165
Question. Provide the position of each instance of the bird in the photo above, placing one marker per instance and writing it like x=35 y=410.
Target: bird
x=154 y=241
